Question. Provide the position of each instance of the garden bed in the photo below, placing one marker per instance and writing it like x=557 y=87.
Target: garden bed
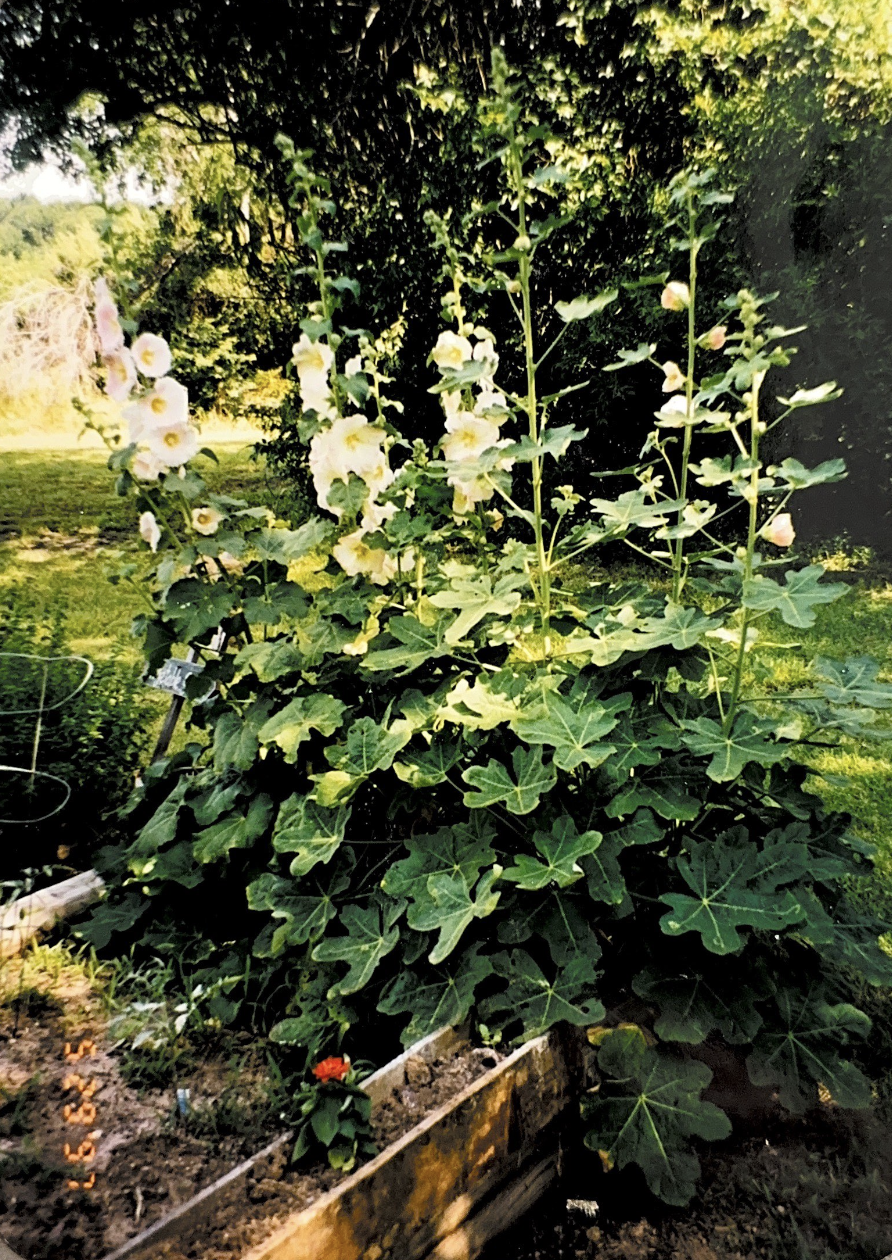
x=148 y=1180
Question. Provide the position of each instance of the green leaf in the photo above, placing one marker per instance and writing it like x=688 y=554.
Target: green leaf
x=307 y=829
x=640 y=354
x=475 y=598
x=235 y=737
x=693 y=1005
x=431 y=767
x=634 y=510
x=461 y=851
x=800 y=1049
x=575 y=731
x=161 y=829
x=539 y=1002
x=235 y=832
x=853 y=681
x=638 y=742
x=665 y=797
x=552 y=442
x=491 y=700
x=737 y=883
x=418 y=644
x=604 y=878
x=647 y=1108
x=284 y=600
x=560 y=851
x=849 y=937
x=583 y=307
x=435 y=999
x=745 y=742
x=562 y=921
x=270 y=660
x=448 y=908
x=285 y=545
x=809 y=397
x=291 y=726
x=799 y=478
x=679 y=627
x=494 y=785
x=196 y=607
x=304 y=915
x=797 y=599
x=370 y=937
x=369 y=747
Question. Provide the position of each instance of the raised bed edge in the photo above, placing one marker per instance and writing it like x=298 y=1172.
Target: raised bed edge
x=25 y=917
x=195 y=1210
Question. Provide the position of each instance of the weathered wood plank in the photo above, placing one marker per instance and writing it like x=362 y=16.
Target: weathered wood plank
x=184 y=1221
x=500 y=1213
x=26 y=917
x=426 y=1185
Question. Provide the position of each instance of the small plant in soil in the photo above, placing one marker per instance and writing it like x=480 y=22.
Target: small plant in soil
x=332 y=1115
x=440 y=777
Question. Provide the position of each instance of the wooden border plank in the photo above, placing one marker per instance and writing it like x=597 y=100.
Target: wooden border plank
x=25 y=917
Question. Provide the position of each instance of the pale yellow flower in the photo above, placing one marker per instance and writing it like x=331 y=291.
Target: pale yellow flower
x=779 y=531
x=151 y=355
x=108 y=326
x=173 y=444
x=451 y=351
x=675 y=378
x=146 y=466
x=149 y=530
x=356 y=557
x=468 y=436
x=206 y=520
x=121 y=374
x=676 y=296
x=715 y=338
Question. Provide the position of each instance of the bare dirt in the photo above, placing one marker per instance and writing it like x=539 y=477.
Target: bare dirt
x=87 y=1160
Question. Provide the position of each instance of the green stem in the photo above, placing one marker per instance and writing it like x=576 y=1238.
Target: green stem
x=750 y=548
x=678 y=561
x=531 y=404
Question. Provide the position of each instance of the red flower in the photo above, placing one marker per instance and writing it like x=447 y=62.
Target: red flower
x=332 y=1069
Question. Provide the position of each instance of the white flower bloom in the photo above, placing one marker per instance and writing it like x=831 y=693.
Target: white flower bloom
x=146 y=466
x=173 y=444
x=675 y=378
x=151 y=354
x=167 y=402
x=469 y=493
x=468 y=436
x=490 y=400
x=356 y=557
x=121 y=374
x=779 y=531
x=485 y=352
x=376 y=515
x=149 y=530
x=451 y=351
x=451 y=400
x=349 y=445
x=108 y=326
x=314 y=360
x=353 y=366
x=205 y=520
x=676 y=296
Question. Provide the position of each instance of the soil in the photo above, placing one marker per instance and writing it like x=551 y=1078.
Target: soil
x=274 y=1191
x=129 y=1159
x=781 y=1188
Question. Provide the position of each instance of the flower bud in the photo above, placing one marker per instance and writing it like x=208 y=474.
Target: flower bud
x=715 y=338
x=522 y=242
x=676 y=296
x=779 y=530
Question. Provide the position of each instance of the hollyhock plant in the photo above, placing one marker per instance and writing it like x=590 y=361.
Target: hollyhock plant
x=451 y=774
x=120 y=374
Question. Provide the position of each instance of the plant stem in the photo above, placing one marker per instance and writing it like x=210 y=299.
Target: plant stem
x=750 y=547
x=678 y=559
